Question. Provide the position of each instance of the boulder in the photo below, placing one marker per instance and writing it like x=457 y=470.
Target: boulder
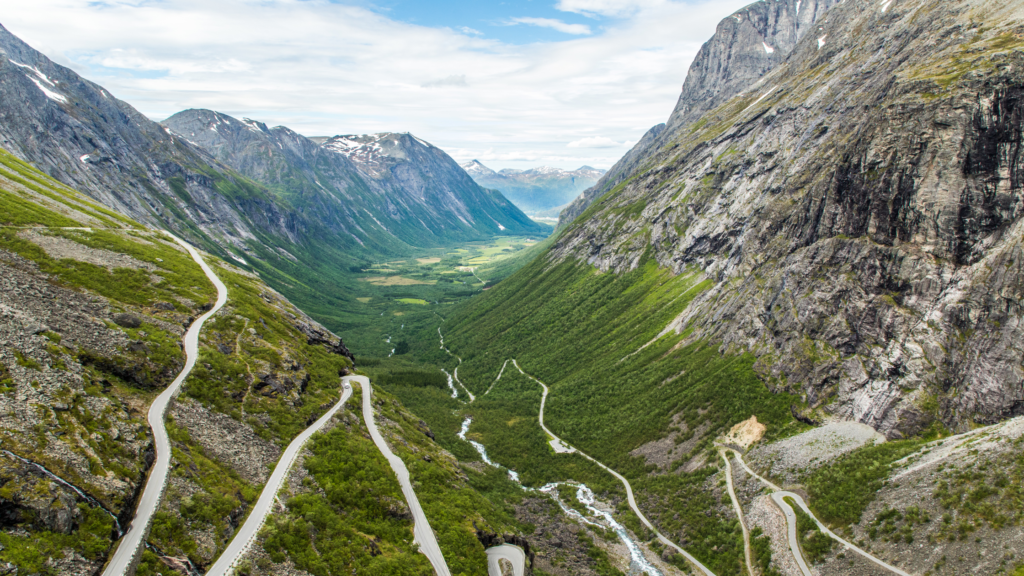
x=127 y=320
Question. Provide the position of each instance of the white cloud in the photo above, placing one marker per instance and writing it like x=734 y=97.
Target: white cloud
x=533 y=158
x=614 y=8
x=564 y=27
x=594 y=142
x=326 y=68
x=458 y=81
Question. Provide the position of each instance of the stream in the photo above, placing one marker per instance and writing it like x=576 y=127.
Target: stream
x=94 y=502
x=451 y=383
x=483 y=451
x=638 y=562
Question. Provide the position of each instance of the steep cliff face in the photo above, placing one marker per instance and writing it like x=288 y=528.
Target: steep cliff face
x=746 y=46
x=858 y=211
x=387 y=190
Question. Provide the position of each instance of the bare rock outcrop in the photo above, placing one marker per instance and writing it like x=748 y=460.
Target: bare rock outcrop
x=858 y=211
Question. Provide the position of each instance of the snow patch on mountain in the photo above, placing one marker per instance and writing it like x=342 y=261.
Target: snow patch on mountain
x=475 y=168
x=41 y=78
x=365 y=149
x=257 y=127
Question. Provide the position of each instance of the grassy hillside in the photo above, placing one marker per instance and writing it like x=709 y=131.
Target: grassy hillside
x=349 y=492
x=615 y=387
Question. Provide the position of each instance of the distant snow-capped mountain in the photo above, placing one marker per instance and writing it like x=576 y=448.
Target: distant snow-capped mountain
x=387 y=189
x=537 y=190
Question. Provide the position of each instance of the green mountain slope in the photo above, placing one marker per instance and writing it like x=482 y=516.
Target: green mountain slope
x=92 y=311
x=616 y=387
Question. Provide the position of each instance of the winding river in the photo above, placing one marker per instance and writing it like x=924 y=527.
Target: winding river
x=561 y=446
x=586 y=497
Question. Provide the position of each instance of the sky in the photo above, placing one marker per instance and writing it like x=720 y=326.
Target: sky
x=514 y=84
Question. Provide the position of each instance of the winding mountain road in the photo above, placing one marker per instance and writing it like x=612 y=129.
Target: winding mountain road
x=739 y=513
x=422 y=533
x=620 y=477
x=513 y=554
x=794 y=543
x=778 y=496
x=132 y=542
x=246 y=535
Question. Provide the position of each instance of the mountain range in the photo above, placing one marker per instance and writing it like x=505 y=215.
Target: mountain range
x=300 y=213
x=359 y=181
x=540 y=192
x=107 y=149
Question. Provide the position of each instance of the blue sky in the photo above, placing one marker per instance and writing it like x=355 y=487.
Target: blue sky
x=515 y=84
x=490 y=19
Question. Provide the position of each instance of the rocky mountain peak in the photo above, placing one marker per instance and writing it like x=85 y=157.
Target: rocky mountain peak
x=745 y=47
x=475 y=167
x=207 y=128
x=546 y=170
x=373 y=151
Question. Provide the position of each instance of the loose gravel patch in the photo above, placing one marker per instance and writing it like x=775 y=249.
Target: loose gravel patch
x=791 y=458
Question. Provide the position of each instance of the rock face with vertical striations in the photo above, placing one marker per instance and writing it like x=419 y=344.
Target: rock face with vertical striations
x=859 y=213
x=745 y=47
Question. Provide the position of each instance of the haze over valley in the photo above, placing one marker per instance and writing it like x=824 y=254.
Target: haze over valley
x=313 y=289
